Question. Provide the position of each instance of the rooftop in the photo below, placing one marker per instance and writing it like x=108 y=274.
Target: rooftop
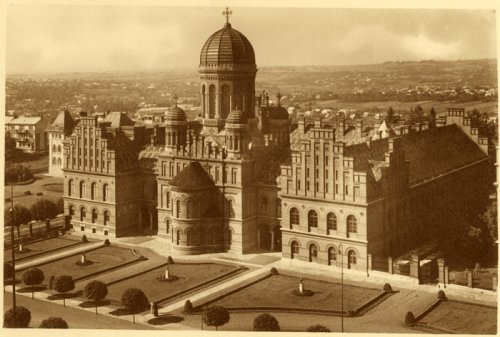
x=192 y=177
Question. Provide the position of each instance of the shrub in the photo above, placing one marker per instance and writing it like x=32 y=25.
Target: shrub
x=387 y=288
x=27 y=192
x=84 y=238
x=410 y=319
x=274 y=271
x=63 y=284
x=441 y=295
x=188 y=307
x=265 y=322
x=39 y=193
x=23 y=318
x=54 y=323
x=318 y=328
x=170 y=260
x=33 y=277
x=95 y=291
x=107 y=243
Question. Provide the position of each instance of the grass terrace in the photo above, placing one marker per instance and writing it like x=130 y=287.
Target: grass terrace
x=277 y=292
x=41 y=247
x=188 y=276
x=463 y=318
x=101 y=259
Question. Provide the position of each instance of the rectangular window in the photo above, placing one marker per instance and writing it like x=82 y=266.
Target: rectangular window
x=233 y=176
x=307 y=186
x=326 y=160
x=326 y=187
x=105 y=232
x=307 y=172
x=336 y=175
x=94 y=230
x=346 y=190
x=337 y=188
x=82 y=228
x=317 y=160
x=317 y=187
x=216 y=174
x=298 y=184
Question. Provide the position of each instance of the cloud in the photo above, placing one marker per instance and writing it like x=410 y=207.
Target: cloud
x=425 y=48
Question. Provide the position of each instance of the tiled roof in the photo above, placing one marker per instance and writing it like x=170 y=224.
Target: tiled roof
x=118 y=119
x=430 y=153
x=192 y=177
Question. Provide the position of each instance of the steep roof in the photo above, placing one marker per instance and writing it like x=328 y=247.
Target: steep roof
x=118 y=119
x=63 y=122
x=192 y=177
x=430 y=153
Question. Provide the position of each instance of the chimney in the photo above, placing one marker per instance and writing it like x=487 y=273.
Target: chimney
x=83 y=113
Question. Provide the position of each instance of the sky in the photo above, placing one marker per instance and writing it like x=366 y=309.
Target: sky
x=64 y=38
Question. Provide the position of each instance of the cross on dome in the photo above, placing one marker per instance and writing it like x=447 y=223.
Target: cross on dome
x=175 y=98
x=227 y=13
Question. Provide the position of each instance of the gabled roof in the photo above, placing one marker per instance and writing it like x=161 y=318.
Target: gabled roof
x=118 y=119
x=63 y=122
x=192 y=177
x=430 y=153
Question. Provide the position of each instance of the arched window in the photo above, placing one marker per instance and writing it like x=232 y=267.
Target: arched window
x=188 y=237
x=93 y=191
x=178 y=239
x=71 y=187
x=211 y=101
x=230 y=208
x=59 y=148
x=178 y=208
x=83 y=189
x=351 y=259
x=94 y=215
x=71 y=210
x=54 y=161
x=59 y=161
x=352 y=224
x=294 y=217
x=313 y=253
x=332 y=254
x=167 y=199
x=278 y=208
x=225 y=101
x=188 y=209
x=106 y=217
x=312 y=219
x=203 y=100
x=263 y=204
x=83 y=213
x=331 y=222
x=105 y=192
x=294 y=249
x=54 y=148
x=167 y=225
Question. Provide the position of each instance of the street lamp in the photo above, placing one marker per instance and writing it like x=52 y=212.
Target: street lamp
x=341 y=287
x=11 y=210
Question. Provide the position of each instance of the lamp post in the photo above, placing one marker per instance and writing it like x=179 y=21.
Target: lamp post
x=341 y=288
x=13 y=250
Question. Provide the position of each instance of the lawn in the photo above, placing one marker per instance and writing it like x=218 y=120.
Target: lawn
x=101 y=258
x=463 y=318
x=189 y=275
x=50 y=187
x=40 y=247
x=276 y=291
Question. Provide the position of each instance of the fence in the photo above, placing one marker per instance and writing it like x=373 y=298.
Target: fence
x=482 y=279
x=380 y=264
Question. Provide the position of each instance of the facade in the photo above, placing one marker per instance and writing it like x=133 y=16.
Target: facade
x=28 y=132
x=238 y=178
x=61 y=128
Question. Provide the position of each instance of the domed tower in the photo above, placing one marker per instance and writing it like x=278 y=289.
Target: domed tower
x=236 y=134
x=227 y=73
x=175 y=128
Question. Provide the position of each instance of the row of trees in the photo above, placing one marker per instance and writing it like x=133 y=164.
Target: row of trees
x=23 y=319
x=43 y=209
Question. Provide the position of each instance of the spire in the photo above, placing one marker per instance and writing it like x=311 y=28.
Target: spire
x=174 y=99
x=227 y=13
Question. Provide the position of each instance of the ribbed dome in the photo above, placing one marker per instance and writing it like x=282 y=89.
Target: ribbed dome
x=227 y=46
x=236 y=117
x=176 y=114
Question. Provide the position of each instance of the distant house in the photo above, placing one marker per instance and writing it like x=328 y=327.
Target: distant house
x=28 y=132
x=57 y=132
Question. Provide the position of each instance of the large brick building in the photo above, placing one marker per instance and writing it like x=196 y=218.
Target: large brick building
x=238 y=179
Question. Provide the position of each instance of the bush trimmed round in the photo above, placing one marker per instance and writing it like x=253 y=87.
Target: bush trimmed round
x=107 y=243
x=23 y=318
x=188 y=307
x=266 y=322
x=54 y=323
x=387 y=288
x=410 y=319
x=170 y=260
x=84 y=238
x=441 y=295
x=274 y=271
x=318 y=328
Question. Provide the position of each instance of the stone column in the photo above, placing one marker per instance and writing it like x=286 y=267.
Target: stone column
x=440 y=263
x=369 y=262
x=389 y=263
x=272 y=240
x=415 y=267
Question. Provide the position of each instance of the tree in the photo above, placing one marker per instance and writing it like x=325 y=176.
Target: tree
x=417 y=115
x=265 y=322
x=432 y=121
x=490 y=218
x=44 y=209
x=389 y=118
x=20 y=215
x=33 y=277
x=18 y=173
x=63 y=284
x=54 y=323
x=134 y=300
x=60 y=205
x=95 y=291
x=8 y=273
x=318 y=328
x=23 y=318
x=216 y=316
